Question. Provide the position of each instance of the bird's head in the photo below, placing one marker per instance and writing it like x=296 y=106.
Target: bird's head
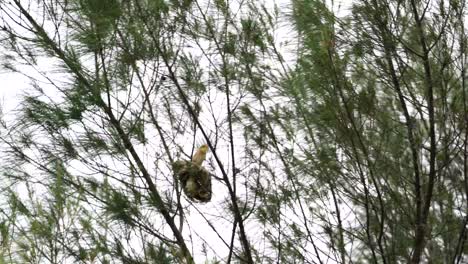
x=203 y=148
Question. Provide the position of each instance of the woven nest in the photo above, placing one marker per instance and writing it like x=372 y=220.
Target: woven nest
x=195 y=180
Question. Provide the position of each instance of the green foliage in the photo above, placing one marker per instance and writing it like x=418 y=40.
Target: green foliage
x=336 y=136
x=192 y=74
x=17 y=205
x=4 y=233
x=252 y=32
x=120 y=208
x=159 y=254
x=101 y=17
x=41 y=113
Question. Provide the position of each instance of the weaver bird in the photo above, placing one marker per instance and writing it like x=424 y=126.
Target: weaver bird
x=200 y=155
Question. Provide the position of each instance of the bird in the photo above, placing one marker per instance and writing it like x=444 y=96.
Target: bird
x=200 y=155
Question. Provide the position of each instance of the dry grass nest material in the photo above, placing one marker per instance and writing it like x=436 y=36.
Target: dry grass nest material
x=195 y=180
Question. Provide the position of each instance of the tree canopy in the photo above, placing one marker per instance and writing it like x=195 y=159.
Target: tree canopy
x=334 y=133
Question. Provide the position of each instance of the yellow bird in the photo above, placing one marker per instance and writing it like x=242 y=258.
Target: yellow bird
x=200 y=155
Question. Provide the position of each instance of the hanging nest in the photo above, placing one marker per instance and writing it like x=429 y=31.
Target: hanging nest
x=195 y=180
